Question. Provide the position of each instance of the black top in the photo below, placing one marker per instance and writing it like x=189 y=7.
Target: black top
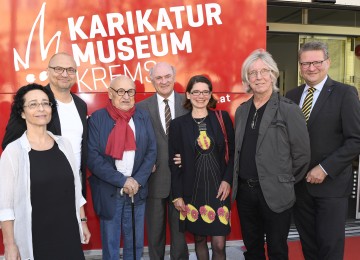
x=16 y=127
x=247 y=167
x=54 y=223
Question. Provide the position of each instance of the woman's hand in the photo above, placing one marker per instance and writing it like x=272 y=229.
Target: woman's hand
x=179 y=204
x=12 y=252
x=224 y=191
x=11 y=249
x=86 y=232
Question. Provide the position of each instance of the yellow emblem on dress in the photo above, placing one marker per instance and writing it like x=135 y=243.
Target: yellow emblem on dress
x=203 y=140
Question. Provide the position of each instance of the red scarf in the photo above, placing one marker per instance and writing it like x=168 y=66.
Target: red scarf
x=121 y=137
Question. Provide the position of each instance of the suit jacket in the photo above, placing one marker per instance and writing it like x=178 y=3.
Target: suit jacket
x=182 y=138
x=160 y=180
x=105 y=180
x=282 y=150
x=16 y=127
x=334 y=130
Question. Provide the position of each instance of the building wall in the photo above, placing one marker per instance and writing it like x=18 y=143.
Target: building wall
x=338 y=2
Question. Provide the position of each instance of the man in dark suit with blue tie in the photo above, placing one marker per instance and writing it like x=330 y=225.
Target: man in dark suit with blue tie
x=164 y=105
x=332 y=111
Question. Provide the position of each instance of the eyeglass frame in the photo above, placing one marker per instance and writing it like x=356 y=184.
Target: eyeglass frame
x=67 y=70
x=254 y=73
x=44 y=104
x=125 y=91
x=205 y=93
x=306 y=65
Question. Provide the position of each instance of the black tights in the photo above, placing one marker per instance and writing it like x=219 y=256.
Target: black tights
x=217 y=246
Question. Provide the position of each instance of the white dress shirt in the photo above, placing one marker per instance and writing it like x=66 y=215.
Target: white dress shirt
x=126 y=165
x=316 y=94
x=161 y=105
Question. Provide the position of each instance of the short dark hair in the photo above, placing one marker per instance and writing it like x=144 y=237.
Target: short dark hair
x=196 y=79
x=314 y=46
x=18 y=104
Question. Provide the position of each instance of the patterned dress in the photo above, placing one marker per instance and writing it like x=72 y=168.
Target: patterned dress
x=205 y=214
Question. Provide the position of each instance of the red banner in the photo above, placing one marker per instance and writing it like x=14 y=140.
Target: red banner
x=109 y=38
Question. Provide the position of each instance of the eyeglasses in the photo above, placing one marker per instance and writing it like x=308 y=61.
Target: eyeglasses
x=198 y=92
x=121 y=92
x=34 y=105
x=317 y=64
x=263 y=72
x=60 y=70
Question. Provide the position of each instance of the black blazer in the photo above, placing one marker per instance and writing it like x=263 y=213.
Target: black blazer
x=334 y=130
x=16 y=127
x=182 y=138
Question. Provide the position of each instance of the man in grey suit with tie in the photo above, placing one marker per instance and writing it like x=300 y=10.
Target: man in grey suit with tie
x=332 y=112
x=163 y=106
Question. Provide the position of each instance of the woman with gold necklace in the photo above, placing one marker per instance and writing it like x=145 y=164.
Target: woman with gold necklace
x=201 y=186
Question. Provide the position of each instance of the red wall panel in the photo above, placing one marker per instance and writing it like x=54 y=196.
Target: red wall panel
x=196 y=36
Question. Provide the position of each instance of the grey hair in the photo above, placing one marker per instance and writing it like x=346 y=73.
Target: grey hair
x=151 y=71
x=314 y=46
x=268 y=60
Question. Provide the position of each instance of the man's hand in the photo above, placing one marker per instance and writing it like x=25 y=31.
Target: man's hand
x=316 y=175
x=86 y=232
x=177 y=160
x=131 y=186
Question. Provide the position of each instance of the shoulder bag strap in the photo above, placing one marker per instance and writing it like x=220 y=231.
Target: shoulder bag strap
x=221 y=121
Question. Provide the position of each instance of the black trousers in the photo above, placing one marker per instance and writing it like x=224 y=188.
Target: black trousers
x=257 y=220
x=321 y=224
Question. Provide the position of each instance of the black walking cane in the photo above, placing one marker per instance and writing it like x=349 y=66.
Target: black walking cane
x=133 y=224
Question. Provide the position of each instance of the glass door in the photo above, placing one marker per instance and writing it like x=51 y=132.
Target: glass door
x=337 y=51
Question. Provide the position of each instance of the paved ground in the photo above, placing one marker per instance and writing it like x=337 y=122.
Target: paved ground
x=233 y=252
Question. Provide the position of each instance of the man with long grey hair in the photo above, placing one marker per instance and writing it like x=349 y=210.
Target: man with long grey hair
x=272 y=152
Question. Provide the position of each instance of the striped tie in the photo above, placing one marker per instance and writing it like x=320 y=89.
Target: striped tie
x=167 y=116
x=306 y=108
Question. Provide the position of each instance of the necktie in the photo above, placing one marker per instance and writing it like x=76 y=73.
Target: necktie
x=167 y=116
x=306 y=108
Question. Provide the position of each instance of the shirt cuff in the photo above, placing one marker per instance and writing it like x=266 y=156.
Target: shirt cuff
x=323 y=169
x=7 y=214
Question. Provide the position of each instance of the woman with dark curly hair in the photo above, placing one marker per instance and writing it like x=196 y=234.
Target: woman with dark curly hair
x=39 y=186
x=205 y=141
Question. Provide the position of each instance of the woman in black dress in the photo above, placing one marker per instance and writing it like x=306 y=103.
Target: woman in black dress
x=205 y=141
x=41 y=205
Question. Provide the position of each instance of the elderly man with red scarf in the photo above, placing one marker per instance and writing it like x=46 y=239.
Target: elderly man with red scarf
x=121 y=155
